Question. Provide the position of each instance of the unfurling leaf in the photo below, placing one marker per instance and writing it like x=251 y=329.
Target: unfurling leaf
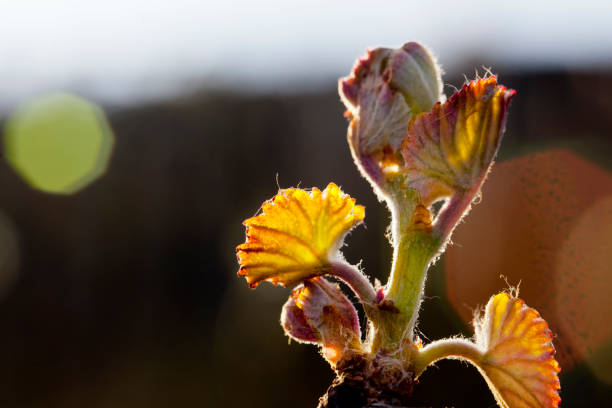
x=386 y=89
x=297 y=235
x=318 y=312
x=451 y=147
x=518 y=354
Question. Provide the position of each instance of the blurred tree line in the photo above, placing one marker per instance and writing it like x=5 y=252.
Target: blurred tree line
x=125 y=293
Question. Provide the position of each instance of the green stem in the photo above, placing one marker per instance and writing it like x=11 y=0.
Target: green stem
x=411 y=259
x=462 y=349
x=414 y=248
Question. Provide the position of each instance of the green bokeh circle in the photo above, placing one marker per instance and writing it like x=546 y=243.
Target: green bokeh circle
x=58 y=143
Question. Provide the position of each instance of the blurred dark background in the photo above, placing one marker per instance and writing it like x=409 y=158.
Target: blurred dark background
x=124 y=293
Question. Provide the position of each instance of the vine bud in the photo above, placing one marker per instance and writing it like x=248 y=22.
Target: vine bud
x=318 y=312
x=386 y=89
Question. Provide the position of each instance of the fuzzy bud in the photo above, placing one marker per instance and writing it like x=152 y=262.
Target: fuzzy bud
x=385 y=90
x=318 y=312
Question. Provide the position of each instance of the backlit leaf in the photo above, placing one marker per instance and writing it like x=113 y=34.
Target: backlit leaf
x=545 y=221
x=518 y=360
x=297 y=235
x=451 y=147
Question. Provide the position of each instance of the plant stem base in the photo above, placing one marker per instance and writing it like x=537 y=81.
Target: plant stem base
x=365 y=382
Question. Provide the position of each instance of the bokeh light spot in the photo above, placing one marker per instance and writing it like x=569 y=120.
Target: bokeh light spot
x=58 y=143
x=544 y=221
x=583 y=283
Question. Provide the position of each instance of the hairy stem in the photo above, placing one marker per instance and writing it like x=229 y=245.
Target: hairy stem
x=414 y=247
x=356 y=280
x=455 y=209
x=451 y=214
x=411 y=259
x=447 y=348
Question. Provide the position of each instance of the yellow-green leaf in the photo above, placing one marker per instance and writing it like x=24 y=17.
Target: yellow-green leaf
x=451 y=147
x=518 y=354
x=297 y=235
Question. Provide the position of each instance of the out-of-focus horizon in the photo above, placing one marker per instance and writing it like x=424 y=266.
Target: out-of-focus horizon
x=123 y=52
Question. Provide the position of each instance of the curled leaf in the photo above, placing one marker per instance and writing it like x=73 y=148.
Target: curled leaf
x=385 y=90
x=518 y=359
x=318 y=312
x=451 y=147
x=297 y=235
